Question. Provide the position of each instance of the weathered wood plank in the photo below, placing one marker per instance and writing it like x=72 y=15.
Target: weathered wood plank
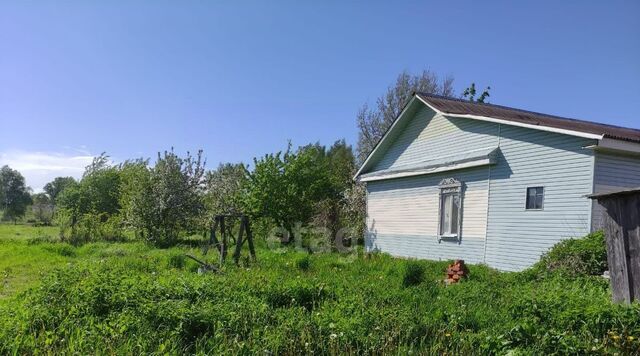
x=213 y=239
x=622 y=229
x=252 y=250
x=239 y=241
x=631 y=212
x=225 y=241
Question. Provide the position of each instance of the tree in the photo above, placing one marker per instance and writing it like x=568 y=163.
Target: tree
x=470 y=94
x=354 y=205
x=90 y=208
x=98 y=191
x=224 y=188
x=15 y=194
x=134 y=176
x=42 y=208
x=285 y=187
x=170 y=198
x=340 y=165
x=55 y=187
x=373 y=123
x=99 y=163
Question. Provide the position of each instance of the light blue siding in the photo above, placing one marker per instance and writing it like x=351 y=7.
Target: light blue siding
x=496 y=228
x=403 y=216
x=613 y=172
x=426 y=247
x=428 y=136
x=516 y=237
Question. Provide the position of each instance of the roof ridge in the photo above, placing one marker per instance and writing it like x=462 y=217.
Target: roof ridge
x=437 y=96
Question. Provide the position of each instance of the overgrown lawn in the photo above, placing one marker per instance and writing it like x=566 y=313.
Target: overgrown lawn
x=130 y=298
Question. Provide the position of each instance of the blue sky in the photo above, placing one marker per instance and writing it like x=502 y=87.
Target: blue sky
x=238 y=79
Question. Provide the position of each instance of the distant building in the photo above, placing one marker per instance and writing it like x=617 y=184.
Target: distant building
x=490 y=184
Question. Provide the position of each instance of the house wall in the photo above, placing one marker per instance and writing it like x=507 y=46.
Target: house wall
x=430 y=135
x=402 y=214
x=613 y=172
x=518 y=237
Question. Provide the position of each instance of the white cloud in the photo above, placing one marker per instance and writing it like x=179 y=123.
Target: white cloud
x=39 y=168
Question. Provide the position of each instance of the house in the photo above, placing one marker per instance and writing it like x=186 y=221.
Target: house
x=490 y=184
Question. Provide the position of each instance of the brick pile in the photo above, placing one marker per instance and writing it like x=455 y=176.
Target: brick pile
x=456 y=271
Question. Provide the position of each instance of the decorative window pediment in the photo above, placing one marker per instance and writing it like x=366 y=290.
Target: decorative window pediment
x=450 y=209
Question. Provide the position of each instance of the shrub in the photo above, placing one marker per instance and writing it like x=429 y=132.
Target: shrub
x=90 y=227
x=585 y=256
x=42 y=238
x=297 y=293
x=62 y=249
x=177 y=261
x=167 y=199
x=66 y=250
x=413 y=274
x=303 y=263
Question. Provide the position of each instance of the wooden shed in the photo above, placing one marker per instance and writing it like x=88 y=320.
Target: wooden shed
x=621 y=224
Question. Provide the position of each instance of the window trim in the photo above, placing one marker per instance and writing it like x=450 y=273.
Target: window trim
x=449 y=186
x=526 y=198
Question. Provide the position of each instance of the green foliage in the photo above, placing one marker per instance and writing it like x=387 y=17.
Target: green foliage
x=89 y=227
x=413 y=274
x=305 y=188
x=224 y=189
x=334 y=211
x=128 y=298
x=135 y=177
x=470 y=93
x=89 y=210
x=97 y=192
x=177 y=260
x=294 y=191
x=584 y=256
x=169 y=198
x=285 y=187
x=56 y=186
x=303 y=263
x=42 y=208
x=14 y=194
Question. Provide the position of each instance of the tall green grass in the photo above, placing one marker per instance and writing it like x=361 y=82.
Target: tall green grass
x=130 y=298
x=149 y=301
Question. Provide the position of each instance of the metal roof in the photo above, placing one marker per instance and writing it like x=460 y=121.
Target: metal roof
x=455 y=106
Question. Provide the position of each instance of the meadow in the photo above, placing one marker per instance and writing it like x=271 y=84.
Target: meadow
x=130 y=297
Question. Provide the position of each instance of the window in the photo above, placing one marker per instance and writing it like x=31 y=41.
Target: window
x=535 y=198
x=450 y=207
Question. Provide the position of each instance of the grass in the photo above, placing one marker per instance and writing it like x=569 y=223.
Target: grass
x=130 y=298
x=21 y=231
x=21 y=265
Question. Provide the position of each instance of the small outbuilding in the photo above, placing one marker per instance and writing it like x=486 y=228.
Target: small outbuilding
x=621 y=224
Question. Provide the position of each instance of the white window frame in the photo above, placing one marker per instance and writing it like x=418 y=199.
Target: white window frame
x=453 y=187
x=526 y=198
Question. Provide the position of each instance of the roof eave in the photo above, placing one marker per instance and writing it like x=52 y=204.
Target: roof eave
x=417 y=96
x=384 y=138
x=515 y=123
x=616 y=146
